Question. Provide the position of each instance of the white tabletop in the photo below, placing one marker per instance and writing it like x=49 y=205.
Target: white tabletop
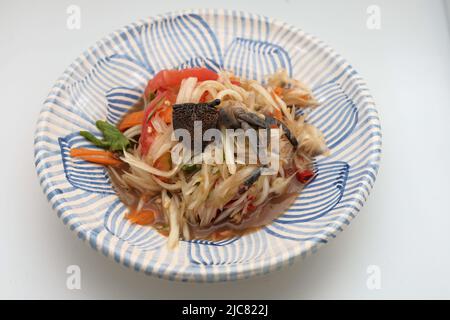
x=403 y=230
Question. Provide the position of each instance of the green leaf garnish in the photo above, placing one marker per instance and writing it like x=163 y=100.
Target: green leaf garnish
x=113 y=139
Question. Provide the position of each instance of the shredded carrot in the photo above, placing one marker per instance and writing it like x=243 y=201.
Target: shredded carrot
x=102 y=160
x=164 y=163
x=164 y=232
x=278 y=91
x=221 y=235
x=166 y=114
x=131 y=119
x=277 y=114
x=79 y=152
x=95 y=156
x=142 y=217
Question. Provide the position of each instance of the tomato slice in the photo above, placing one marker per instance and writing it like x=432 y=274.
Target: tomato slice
x=204 y=97
x=166 y=79
x=147 y=131
x=166 y=83
x=236 y=81
x=305 y=176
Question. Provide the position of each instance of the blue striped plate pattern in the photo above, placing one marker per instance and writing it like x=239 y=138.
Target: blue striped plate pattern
x=108 y=78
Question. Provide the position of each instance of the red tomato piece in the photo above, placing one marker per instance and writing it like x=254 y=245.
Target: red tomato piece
x=148 y=132
x=204 y=97
x=251 y=207
x=305 y=176
x=235 y=81
x=171 y=78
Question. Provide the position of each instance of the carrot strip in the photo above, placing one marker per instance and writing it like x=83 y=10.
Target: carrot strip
x=143 y=217
x=278 y=91
x=277 y=114
x=79 y=152
x=95 y=156
x=102 y=160
x=221 y=235
x=166 y=114
x=164 y=163
x=131 y=120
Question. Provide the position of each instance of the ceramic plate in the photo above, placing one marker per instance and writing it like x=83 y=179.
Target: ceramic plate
x=108 y=78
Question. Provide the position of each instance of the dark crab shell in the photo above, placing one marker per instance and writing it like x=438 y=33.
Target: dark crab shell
x=185 y=115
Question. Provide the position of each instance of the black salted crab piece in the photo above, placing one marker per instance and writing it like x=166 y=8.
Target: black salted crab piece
x=249 y=117
x=184 y=116
x=227 y=119
x=237 y=117
x=252 y=178
x=271 y=121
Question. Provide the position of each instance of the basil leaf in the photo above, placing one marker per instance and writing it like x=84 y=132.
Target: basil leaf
x=113 y=139
x=99 y=143
x=113 y=136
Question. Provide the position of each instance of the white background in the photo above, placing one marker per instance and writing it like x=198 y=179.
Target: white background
x=403 y=228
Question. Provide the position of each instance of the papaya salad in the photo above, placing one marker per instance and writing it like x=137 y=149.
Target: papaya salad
x=186 y=200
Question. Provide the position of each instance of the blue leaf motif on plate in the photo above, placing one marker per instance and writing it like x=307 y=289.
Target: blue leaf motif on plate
x=197 y=62
x=117 y=70
x=316 y=200
x=107 y=74
x=131 y=43
x=230 y=251
x=120 y=100
x=253 y=59
x=172 y=41
x=82 y=174
x=337 y=115
x=143 y=237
